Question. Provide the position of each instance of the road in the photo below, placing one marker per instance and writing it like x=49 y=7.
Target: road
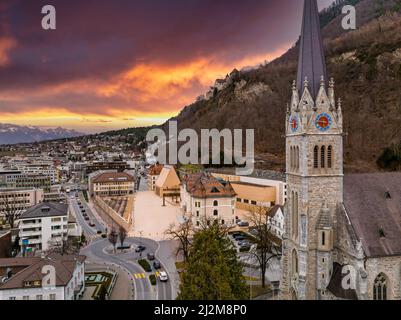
x=90 y=232
x=99 y=251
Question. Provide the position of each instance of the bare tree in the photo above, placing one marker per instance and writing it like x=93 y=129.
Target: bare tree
x=122 y=235
x=63 y=246
x=10 y=210
x=113 y=238
x=207 y=222
x=183 y=233
x=266 y=247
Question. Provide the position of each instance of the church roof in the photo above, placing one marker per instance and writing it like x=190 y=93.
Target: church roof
x=311 y=64
x=373 y=205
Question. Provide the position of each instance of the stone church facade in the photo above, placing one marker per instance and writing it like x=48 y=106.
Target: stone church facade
x=335 y=246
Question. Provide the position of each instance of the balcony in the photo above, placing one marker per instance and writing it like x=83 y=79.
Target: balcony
x=30 y=233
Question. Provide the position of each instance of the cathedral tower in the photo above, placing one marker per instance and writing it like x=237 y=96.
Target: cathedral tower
x=314 y=169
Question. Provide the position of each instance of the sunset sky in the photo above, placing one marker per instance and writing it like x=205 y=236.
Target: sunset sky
x=124 y=63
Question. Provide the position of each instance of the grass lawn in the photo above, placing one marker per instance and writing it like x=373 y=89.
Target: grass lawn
x=249 y=278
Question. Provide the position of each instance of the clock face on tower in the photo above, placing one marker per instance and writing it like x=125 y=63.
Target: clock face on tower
x=294 y=123
x=323 y=122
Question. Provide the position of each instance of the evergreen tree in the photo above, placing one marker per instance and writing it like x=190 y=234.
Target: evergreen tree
x=213 y=271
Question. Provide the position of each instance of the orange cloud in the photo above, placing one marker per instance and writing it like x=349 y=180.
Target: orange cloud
x=6 y=45
x=146 y=94
x=172 y=83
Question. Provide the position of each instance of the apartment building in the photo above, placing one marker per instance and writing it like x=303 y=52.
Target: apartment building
x=206 y=198
x=23 y=279
x=20 y=199
x=44 y=225
x=19 y=179
x=276 y=221
x=39 y=169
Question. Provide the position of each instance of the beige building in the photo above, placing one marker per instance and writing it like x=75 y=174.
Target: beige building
x=111 y=183
x=153 y=173
x=19 y=200
x=205 y=198
x=168 y=182
x=251 y=196
x=260 y=179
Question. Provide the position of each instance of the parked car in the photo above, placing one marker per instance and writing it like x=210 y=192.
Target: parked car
x=150 y=256
x=156 y=265
x=140 y=248
x=99 y=232
x=163 y=276
x=243 y=224
x=244 y=243
x=92 y=224
x=254 y=232
x=240 y=238
x=86 y=218
x=83 y=210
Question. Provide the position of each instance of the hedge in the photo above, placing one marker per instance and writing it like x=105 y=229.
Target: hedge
x=145 y=265
x=152 y=279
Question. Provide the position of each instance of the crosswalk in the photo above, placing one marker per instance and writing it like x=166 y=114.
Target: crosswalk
x=143 y=275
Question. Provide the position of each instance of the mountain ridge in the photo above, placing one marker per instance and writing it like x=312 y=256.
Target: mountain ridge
x=16 y=134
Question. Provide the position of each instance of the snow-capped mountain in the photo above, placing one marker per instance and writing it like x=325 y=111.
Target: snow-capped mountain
x=12 y=134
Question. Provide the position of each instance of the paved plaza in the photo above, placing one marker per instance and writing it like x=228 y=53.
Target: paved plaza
x=151 y=218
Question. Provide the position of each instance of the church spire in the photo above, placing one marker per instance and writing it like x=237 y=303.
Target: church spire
x=311 y=64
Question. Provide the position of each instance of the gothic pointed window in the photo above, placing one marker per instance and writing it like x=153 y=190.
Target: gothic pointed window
x=322 y=157
x=329 y=157
x=297 y=159
x=323 y=238
x=315 y=157
x=292 y=158
x=380 y=287
x=294 y=262
x=295 y=223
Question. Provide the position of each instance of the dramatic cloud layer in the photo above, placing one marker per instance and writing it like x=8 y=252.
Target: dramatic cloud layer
x=128 y=62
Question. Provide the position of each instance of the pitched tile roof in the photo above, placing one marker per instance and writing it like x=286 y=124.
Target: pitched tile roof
x=373 y=205
x=168 y=178
x=64 y=266
x=155 y=169
x=46 y=209
x=113 y=177
x=202 y=185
